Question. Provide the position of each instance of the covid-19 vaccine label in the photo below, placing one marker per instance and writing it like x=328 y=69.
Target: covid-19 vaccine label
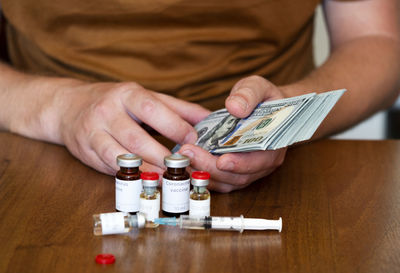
x=112 y=223
x=127 y=195
x=199 y=207
x=175 y=195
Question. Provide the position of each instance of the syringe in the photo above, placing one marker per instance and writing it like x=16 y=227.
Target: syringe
x=221 y=223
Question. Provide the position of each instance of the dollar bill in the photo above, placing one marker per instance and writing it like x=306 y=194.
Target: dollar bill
x=272 y=124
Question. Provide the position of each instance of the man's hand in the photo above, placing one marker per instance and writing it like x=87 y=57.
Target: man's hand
x=96 y=121
x=234 y=171
x=102 y=120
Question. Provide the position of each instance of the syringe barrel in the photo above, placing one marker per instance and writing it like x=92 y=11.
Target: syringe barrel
x=228 y=223
x=190 y=222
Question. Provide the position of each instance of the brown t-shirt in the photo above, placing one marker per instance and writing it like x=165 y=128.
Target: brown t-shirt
x=194 y=50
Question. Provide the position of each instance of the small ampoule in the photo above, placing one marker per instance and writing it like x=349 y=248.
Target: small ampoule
x=150 y=198
x=128 y=184
x=200 y=198
x=117 y=222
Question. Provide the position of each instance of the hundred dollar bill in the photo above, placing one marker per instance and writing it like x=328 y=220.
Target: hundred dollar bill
x=272 y=124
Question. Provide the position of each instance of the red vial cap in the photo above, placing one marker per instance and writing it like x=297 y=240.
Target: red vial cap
x=105 y=258
x=149 y=176
x=201 y=175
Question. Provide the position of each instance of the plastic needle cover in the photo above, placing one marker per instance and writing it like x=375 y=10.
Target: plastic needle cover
x=222 y=223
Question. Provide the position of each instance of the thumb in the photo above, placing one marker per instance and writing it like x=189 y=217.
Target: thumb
x=248 y=93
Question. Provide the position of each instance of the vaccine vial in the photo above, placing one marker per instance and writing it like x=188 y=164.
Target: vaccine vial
x=150 y=198
x=128 y=184
x=200 y=198
x=117 y=222
x=175 y=186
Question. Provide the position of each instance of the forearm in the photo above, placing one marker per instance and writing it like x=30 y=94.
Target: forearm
x=368 y=68
x=29 y=105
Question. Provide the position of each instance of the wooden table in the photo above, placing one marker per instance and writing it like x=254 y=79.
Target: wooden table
x=339 y=200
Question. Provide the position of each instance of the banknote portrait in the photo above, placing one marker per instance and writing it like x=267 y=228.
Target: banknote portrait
x=212 y=138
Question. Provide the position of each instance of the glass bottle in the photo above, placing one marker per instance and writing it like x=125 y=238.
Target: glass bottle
x=117 y=222
x=200 y=197
x=175 y=186
x=128 y=184
x=150 y=198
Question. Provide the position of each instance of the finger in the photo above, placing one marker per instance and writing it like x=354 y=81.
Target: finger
x=191 y=112
x=106 y=149
x=157 y=115
x=147 y=167
x=248 y=93
x=80 y=147
x=200 y=159
x=88 y=156
x=134 y=139
x=252 y=162
x=215 y=185
x=98 y=164
x=241 y=181
x=220 y=187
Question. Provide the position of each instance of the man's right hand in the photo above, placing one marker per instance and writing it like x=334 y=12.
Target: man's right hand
x=102 y=120
x=97 y=121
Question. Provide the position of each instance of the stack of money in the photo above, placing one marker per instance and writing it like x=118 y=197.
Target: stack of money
x=272 y=124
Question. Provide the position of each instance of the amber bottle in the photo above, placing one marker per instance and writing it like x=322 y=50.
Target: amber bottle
x=175 y=186
x=128 y=184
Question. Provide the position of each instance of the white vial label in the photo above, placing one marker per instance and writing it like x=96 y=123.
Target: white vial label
x=199 y=207
x=127 y=195
x=150 y=208
x=112 y=223
x=175 y=195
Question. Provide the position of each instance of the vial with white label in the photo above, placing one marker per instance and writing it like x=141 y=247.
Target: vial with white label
x=128 y=184
x=117 y=222
x=150 y=198
x=200 y=197
x=175 y=185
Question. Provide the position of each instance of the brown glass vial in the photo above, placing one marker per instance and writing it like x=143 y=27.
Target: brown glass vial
x=175 y=186
x=128 y=184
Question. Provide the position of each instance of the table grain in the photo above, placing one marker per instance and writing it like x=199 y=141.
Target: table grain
x=339 y=201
